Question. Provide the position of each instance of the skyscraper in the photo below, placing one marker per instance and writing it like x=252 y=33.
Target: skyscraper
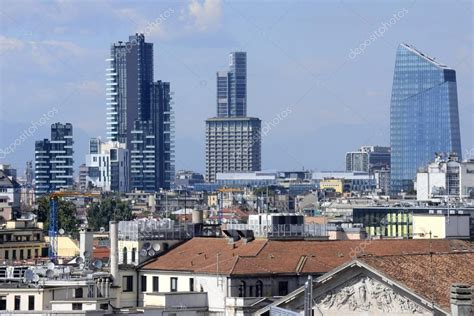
x=424 y=115
x=232 y=87
x=368 y=159
x=233 y=140
x=139 y=114
x=128 y=86
x=54 y=160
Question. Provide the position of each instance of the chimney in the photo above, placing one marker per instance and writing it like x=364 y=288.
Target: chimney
x=113 y=231
x=461 y=299
x=86 y=240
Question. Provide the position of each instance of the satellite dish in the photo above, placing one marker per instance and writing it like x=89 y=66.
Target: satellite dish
x=146 y=246
x=35 y=278
x=29 y=275
x=151 y=252
x=157 y=247
x=97 y=264
x=81 y=266
x=61 y=231
x=86 y=254
x=79 y=260
x=143 y=252
x=102 y=229
x=50 y=274
x=50 y=266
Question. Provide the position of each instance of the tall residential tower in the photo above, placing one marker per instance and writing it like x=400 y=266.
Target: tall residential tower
x=424 y=115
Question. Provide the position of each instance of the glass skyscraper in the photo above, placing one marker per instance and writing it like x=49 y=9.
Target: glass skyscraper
x=424 y=115
x=232 y=87
x=139 y=114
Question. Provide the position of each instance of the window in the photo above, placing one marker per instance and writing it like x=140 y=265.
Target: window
x=28 y=254
x=6 y=254
x=3 y=303
x=282 y=288
x=36 y=253
x=174 y=284
x=124 y=252
x=31 y=302
x=21 y=254
x=77 y=306
x=127 y=283
x=242 y=289
x=259 y=289
x=156 y=284
x=14 y=254
x=134 y=254
x=17 y=302
x=143 y=282
x=191 y=285
x=78 y=293
x=104 y=306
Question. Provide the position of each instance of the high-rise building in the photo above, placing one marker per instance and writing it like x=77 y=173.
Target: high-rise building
x=232 y=87
x=139 y=114
x=107 y=166
x=54 y=160
x=368 y=159
x=424 y=115
x=152 y=145
x=128 y=86
x=233 y=140
x=232 y=145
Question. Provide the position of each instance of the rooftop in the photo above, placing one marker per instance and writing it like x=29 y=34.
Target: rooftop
x=262 y=256
x=424 y=56
x=417 y=272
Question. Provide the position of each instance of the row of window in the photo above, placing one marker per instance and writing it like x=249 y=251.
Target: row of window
x=127 y=284
x=17 y=303
x=20 y=254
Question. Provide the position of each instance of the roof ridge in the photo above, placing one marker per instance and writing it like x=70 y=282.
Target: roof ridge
x=416 y=254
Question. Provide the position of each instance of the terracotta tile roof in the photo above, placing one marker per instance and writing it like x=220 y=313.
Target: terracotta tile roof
x=284 y=257
x=416 y=272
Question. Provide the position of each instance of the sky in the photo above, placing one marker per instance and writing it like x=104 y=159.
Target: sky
x=329 y=64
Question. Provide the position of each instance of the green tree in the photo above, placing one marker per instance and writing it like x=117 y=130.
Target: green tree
x=110 y=208
x=66 y=210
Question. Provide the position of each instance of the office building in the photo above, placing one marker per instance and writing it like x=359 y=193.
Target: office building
x=233 y=140
x=368 y=159
x=54 y=160
x=232 y=87
x=445 y=177
x=128 y=86
x=424 y=115
x=232 y=145
x=107 y=166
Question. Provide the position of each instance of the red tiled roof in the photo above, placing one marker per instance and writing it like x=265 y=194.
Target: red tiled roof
x=285 y=257
x=101 y=252
x=416 y=272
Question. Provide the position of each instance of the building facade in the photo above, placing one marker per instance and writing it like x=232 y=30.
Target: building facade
x=232 y=87
x=107 y=166
x=445 y=177
x=424 y=115
x=232 y=145
x=54 y=160
x=129 y=75
x=368 y=159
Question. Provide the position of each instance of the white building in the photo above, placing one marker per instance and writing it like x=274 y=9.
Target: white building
x=445 y=177
x=107 y=165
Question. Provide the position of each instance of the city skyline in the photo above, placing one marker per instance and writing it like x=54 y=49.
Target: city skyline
x=361 y=113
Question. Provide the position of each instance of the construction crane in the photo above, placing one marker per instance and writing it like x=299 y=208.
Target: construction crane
x=53 y=218
x=219 y=200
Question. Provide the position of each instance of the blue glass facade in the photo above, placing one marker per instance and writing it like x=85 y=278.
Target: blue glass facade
x=424 y=115
x=232 y=87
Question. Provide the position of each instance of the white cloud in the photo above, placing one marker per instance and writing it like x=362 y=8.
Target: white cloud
x=205 y=15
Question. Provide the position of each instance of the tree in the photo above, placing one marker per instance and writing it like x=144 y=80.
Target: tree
x=66 y=210
x=110 y=208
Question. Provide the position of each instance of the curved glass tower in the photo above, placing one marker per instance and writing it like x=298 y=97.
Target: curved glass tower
x=424 y=115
